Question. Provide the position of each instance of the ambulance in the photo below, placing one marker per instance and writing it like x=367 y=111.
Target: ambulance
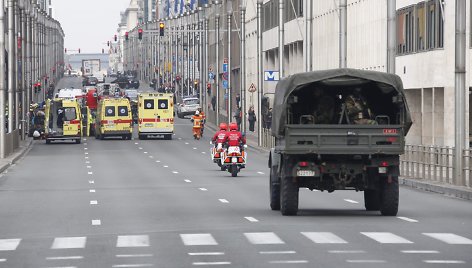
x=63 y=120
x=113 y=119
x=155 y=115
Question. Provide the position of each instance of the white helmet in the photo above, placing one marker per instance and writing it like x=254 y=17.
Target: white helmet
x=197 y=112
x=36 y=134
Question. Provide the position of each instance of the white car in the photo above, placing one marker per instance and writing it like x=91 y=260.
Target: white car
x=188 y=107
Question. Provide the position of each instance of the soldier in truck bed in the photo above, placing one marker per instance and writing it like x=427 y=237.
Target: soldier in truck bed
x=358 y=110
x=324 y=107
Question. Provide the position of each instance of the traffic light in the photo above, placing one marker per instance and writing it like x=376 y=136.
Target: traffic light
x=116 y=38
x=103 y=50
x=161 y=29
x=79 y=50
x=140 y=34
x=108 y=43
x=126 y=36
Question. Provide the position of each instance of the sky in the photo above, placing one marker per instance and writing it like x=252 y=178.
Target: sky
x=88 y=24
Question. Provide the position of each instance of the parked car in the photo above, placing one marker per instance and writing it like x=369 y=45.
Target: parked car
x=188 y=106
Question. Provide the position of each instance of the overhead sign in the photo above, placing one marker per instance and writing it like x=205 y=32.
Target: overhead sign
x=271 y=75
x=252 y=88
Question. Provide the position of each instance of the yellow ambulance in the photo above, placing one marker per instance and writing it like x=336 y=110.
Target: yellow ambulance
x=63 y=120
x=155 y=115
x=114 y=119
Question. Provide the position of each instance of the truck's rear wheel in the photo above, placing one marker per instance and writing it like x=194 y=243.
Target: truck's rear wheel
x=288 y=196
x=390 y=197
x=372 y=200
x=274 y=186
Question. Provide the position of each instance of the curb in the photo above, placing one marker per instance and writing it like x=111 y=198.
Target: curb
x=15 y=156
x=436 y=187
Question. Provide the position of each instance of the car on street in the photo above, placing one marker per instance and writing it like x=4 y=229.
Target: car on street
x=122 y=82
x=133 y=82
x=188 y=106
x=90 y=81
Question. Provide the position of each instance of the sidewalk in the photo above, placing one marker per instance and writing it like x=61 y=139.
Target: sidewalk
x=16 y=155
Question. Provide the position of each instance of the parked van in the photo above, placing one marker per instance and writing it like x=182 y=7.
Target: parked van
x=63 y=120
x=156 y=115
x=113 y=118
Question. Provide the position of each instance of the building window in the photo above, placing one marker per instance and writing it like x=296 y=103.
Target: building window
x=270 y=15
x=420 y=27
x=293 y=9
x=405 y=30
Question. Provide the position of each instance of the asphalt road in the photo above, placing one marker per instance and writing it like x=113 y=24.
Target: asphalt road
x=160 y=203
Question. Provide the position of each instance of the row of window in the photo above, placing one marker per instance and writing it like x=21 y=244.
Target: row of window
x=292 y=9
x=420 y=27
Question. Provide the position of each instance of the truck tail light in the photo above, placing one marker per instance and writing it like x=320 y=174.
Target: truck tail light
x=303 y=164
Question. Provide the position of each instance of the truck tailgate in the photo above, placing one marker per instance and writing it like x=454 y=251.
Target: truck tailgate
x=342 y=139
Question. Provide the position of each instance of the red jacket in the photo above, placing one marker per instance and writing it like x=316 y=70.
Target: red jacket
x=219 y=136
x=234 y=138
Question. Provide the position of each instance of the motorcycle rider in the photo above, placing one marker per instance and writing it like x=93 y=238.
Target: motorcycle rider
x=197 y=120
x=220 y=135
x=234 y=137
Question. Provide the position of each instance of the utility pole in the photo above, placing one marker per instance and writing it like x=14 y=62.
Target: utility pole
x=243 y=68
x=217 y=67
x=229 y=16
x=2 y=82
x=343 y=34
x=260 y=70
x=460 y=91
x=207 y=42
x=281 y=38
x=11 y=66
x=391 y=35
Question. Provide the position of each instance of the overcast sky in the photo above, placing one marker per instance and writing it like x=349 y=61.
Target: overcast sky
x=88 y=24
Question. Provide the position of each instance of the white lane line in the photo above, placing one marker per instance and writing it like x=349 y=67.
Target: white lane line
x=188 y=181
x=175 y=172
x=157 y=161
x=86 y=157
x=450 y=238
x=134 y=255
x=261 y=173
x=386 y=238
x=166 y=166
x=206 y=253
x=365 y=261
x=251 y=219
x=145 y=152
x=420 y=251
x=86 y=153
x=9 y=244
x=223 y=200
x=289 y=262
x=85 y=139
x=85 y=148
x=198 y=239
x=277 y=252
x=194 y=148
x=93 y=202
x=346 y=251
x=91 y=182
x=89 y=166
x=69 y=242
x=203 y=152
x=351 y=201
x=443 y=262
x=87 y=162
x=407 y=219
x=64 y=258
x=263 y=238
x=85 y=144
x=140 y=148
x=151 y=156
x=324 y=238
x=132 y=265
x=92 y=191
x=63 y=267
x=132 y=241
x=180 y=139
x=203 y=189
x=211 y=263
x=136 y=143
x=3 y=260
x=96 y=222
x=90 y=173
x=186 y=143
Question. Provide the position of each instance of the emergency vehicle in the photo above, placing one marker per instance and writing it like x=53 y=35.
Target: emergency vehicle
x=63 y=120
x=155 y=115
x=113 y=118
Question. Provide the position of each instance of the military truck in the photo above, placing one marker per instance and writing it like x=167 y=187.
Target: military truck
x=338 y=150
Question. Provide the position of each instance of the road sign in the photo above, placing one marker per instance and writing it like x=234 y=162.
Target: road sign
x=225 y=84
x=224 y=76
x=211 y=75
x=225 y=67
x=271 y=76
x=252 y=88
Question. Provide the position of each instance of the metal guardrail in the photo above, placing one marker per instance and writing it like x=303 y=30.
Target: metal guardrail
x=268 y=141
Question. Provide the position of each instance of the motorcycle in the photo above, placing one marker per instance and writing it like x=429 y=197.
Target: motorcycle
x=234 y=159
x=216 y=153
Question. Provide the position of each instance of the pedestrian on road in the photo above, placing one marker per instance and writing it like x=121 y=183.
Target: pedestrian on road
x=251 y=117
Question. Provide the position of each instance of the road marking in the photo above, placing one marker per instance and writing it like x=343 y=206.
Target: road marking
x=206 y=253
x=140 y=148
x=263 y=238
x=365 y=261
x=145 y=152
x=9 y=244
x=157 y=161
x=386 y=238
x=64 y=258
x=3 y=260
x=188 y=181
x=186 y=143
x=346 y=251
x=251 y=219
x=289 y=262
x=324 y=238
x=180 y=138
x=87 y=162
x=132 y=265
x=211 y=263
x=89 y=166
x=132 y=241
x=203 y=189
x=351 y=201
x=85 y=144
x=450 y=238
x=175 y=172
x=134 y=255
x=94 y=202
x=420 y=251
x=261 y=173
x=85 y=139
x=194 y=148
x=91 y=182
x=90 y=173
x=85 y=148
x=69 y=242
x=86 y=153
x=151 y=156
x=166 y=166
x=203 y=152
x=277 y=252
x=198 y=239
x=444 y=261
x=92 y=191
x=136 y=143
x=64 y=267
x=223 y=200
x=407 y=219
x=86 y=157
x=96 y=222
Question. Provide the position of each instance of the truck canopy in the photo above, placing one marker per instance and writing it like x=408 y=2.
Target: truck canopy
x=384 y=93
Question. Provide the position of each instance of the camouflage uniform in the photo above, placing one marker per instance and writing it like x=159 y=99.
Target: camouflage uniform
x=358 y=112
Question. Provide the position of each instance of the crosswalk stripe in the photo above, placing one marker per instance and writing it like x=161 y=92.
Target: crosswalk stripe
x=443 y=262
x=420 y=251
x=198 y=239
x=449 y=238
x=64 y=258
x=324 y=238
x=9 y=244
x=132 y=241
x=69 y=242
x=386 y=238
x=3 y=260
x=263 y=238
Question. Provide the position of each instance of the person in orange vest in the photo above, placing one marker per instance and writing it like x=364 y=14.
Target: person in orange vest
x=197 y=120
x=202 y=114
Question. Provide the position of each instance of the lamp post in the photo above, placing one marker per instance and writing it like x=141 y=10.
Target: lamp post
x=228 y=90
x=217 y=76
x=2 y=83
x=243 y=67
x=260 y=68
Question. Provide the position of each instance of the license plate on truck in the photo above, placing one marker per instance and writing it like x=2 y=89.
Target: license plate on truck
x=305 y=173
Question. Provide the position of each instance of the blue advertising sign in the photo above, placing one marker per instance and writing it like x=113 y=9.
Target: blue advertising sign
x=225 y=67
x=225 y=84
